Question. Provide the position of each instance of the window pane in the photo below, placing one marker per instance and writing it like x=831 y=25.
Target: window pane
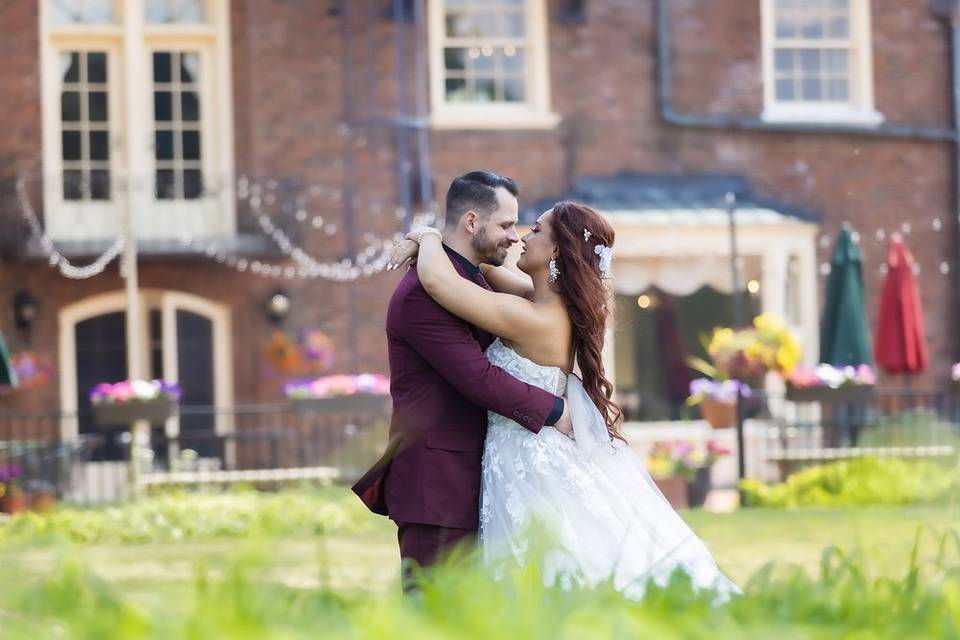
x=456 y=90
x=785 y=90
x=838 y=26
x=811 y=89
x=163 y=145
x=485 y=90
x=189 y=106
x=810 y=62
x=192 y=184
x=484 y=62
x=838 y=90
x=512 y=60
x=486 y=25
x=161 y=67
x=70 y=67
x=189 y=67
x=72 y=184
x=72 y=146
x=784 y=60
x=70 y=106
x=455 y=59
x=459 y=25
x=513 y=90
x=191 y=145
x=165 y=184
x=81 y=11
x=516 y=25
x=98 y=106
x=163 y=106
x=100 y=184
x=99 y=145
x=836 y=62
x=96 y=66
x=811 y=24
x=174 y=11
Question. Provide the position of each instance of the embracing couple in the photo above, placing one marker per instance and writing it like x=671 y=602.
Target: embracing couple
x=491 y=429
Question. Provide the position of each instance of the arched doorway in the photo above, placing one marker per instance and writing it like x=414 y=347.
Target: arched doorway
x=185 y=339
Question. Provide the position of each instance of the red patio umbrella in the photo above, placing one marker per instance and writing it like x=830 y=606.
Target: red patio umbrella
x=901 y=343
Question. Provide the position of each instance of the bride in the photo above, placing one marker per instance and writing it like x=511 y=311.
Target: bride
x=605 y=517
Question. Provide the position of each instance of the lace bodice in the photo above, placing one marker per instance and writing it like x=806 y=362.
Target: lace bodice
x=551 y=379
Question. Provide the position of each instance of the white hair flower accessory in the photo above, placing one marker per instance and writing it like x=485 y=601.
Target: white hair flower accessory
x=586 y=235
x=606 y=259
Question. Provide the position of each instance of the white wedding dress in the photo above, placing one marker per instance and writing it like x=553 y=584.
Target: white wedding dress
x=604 y=516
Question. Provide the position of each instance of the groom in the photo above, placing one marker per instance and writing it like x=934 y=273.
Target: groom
x=442 y=385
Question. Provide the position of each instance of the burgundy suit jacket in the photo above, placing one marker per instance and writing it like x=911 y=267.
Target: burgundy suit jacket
x=442 y=385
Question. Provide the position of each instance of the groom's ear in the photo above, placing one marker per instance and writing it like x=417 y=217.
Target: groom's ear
x=470 y=221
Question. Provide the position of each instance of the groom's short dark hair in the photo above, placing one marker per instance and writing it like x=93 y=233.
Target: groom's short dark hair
x=476 y=191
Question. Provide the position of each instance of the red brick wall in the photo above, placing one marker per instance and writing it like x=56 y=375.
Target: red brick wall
x=288 y=105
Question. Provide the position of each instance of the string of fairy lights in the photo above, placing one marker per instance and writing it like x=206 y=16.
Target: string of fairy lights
x=881 y=235
x=370 y=260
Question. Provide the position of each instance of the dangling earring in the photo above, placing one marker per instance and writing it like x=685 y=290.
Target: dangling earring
x=554 y=272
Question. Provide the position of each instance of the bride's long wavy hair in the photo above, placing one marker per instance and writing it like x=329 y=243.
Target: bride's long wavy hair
x=587 y=297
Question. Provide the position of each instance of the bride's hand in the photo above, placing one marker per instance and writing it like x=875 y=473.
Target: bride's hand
x=404 y=254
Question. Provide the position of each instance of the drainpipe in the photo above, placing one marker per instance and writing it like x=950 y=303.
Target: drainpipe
x=749 y=123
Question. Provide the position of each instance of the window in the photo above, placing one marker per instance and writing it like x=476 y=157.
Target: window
x=137 y=104
x=817 y=61
x=488 y=64
x=176 y=113
x=175 y=12
x=84 y=123
x=79 y=12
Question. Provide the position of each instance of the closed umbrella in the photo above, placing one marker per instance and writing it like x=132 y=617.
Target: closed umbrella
x=8 y=377
x=901 y=343
x=844 y=337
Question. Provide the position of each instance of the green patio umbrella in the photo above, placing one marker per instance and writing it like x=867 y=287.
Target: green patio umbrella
x=8 y=377
x=844 y=337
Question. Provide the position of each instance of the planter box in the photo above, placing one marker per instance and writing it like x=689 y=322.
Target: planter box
x=674 y=489
x=849 y=393
x=698 y=489
x=356 y=403
x=719 y=414
x=153 y=411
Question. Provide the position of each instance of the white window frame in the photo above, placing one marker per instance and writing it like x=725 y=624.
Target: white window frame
x=130 y=43
x=533 y=113
x=858 y=109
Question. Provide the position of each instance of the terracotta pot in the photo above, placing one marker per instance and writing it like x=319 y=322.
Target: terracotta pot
x=43 y=502
x=674 y=489
x=13 y=503
x=719 y=414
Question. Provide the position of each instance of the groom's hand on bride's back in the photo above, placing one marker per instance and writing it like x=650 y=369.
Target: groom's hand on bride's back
x=563 y=424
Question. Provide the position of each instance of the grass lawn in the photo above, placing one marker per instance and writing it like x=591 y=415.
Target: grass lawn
x=155 y=574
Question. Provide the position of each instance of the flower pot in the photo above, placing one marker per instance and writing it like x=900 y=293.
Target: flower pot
x=43 y=502
x=154 y=411
x=13 y=502
x=848 y=393
x=355 y=403
x=719 y=414
x=674 y=489
x=699 y=487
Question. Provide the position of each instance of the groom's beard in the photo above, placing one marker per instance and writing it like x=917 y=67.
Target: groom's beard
x=487 y=251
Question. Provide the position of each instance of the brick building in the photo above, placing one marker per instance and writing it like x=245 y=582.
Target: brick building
x=239 y=131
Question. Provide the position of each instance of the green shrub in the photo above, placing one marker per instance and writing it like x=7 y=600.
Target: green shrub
x=196 y=516
x=857 y=482
x=460 y=601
